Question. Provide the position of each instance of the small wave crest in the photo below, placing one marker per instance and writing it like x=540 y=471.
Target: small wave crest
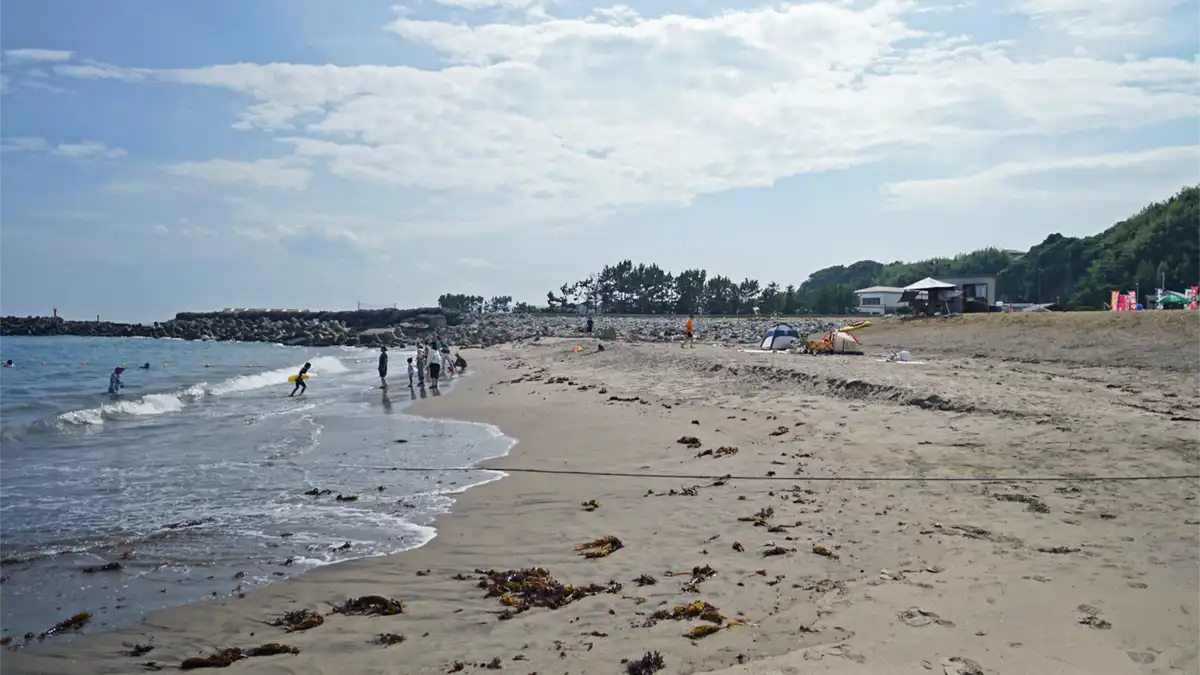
x=322 y=365
x=159 y=404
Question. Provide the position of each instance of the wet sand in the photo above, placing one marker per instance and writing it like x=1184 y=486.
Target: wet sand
x=839 y=542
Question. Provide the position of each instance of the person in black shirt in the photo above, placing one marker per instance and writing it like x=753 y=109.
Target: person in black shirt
x=383 y=367
x=300 y=386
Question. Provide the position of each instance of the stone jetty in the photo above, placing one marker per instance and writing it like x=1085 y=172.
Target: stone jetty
x=399 y=327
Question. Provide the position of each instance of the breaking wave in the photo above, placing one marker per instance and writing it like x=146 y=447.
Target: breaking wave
x=161 y=404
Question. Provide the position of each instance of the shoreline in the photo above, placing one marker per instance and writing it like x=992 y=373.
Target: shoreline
x=869 y=578
x=441 y=497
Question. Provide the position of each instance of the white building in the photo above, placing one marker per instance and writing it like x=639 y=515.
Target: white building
x=879 y=299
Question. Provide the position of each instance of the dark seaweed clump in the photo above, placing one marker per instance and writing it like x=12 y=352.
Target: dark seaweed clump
x=522 y=590
x=301 y=619
x=370 y=605
x=649 y=664
x=227 y=657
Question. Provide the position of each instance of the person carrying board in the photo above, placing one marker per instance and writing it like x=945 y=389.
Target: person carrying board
x=300 y=377
x=383 y=368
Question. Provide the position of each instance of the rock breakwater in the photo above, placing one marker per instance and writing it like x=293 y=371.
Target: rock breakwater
x=399 y=327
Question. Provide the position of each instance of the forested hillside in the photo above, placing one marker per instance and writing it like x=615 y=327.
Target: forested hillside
x=1163 y=240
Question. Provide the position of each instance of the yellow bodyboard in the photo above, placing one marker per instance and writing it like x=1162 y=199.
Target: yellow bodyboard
x=293 y=378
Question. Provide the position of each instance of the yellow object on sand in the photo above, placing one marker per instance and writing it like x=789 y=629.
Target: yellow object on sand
x=855 y=326
x=293 y=378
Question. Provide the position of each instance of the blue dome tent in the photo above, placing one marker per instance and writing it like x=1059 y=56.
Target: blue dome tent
x=779 y=336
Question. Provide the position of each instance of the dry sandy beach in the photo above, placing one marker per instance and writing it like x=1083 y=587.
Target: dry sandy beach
x=832 y=545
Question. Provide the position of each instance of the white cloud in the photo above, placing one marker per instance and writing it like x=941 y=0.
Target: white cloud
x=88 y=149
x=284 y=173
x=474 y=262
x=1103 y=19
x=38 y=54
x=1172 y=166
x=568 y=120
x=23 y=144
x=81 y=150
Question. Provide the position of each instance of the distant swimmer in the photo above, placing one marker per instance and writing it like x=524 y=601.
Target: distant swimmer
x=145 y=366
x=383 y=367
x=115 y=385
x=300 y=386
x=8 y=363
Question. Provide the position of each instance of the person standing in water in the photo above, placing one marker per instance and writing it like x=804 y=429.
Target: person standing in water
x=383 y=368
x=115 y=385
x=435 y=367
x=422 y=360
x=300 y=385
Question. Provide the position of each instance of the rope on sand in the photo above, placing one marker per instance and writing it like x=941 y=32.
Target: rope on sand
x=811 y=479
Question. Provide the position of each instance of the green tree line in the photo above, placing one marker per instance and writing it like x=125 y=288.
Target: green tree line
x=1160 y=242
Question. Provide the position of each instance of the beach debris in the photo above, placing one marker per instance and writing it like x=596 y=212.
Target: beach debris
x=689 y=441
x=151 y=665
x=370 y=605
x=824 y=551
x=106 y=567
x=650 y=663
x=737 y=546
x=400 y=440
x=645 y=580
x=723 y=451
x=722 y=480
x=691 y=610
x=917 y=617
x=1095 y=622
x=621 y=399
x=690 y=491
x=699 y=575
x=227 y=657
x=298 y=620
x=136 y=650
x=1057 y=549
x=777 y=550
x=74 y=623
x=522 y=590
x=388 y=639
x=703 y=630
x=317 y=493
x=696 y=422
x=347 y=498
x=599 y=548
x=759 y=519
x=780 y=431
x=590 y=505
x=1033 y=504
x=960 y=665
x=5 y=641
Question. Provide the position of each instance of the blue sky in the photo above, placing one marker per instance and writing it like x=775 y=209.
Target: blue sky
x=161 y=157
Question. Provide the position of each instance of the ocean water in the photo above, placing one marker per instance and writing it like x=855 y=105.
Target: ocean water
x=193 y=480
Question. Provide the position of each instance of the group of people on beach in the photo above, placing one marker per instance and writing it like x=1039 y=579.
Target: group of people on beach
x=433 y=358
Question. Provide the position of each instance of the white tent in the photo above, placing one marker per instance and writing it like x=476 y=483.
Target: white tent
x=929 y=284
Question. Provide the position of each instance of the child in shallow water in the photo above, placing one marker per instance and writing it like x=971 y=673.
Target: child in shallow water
x=411 y=371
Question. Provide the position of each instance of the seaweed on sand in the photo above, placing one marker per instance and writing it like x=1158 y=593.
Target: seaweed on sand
x=692 y=610
x=699 y=574
x=298 y=620
x=227 y=657
x=590 y=505
x=703 y=630
x=649 y=664
x=370 y=605
x=759 y=519
x=522 y=590
x=689 y=441
x=598 y=548
x=74 y=623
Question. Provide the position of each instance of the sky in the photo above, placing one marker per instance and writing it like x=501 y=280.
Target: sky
x=162 y=157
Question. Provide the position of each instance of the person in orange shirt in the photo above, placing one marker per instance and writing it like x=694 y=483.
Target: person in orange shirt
x=689 y=337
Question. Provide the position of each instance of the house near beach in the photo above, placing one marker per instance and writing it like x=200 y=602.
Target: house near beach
x=879 y=299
